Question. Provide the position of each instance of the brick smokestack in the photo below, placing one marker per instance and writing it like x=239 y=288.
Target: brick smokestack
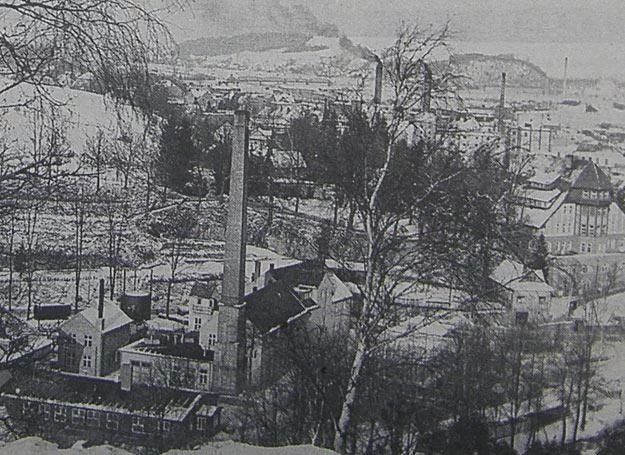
x=502 y=105
x=379 y=74
x=101 y=300
x=230 y=357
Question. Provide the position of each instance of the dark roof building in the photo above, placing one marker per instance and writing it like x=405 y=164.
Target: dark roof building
x=276 y=305
x=65 y=408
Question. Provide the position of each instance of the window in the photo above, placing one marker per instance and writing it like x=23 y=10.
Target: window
x=70 y=356
x=59 y=414
x=138 y=425
x=112 y=422
x=27 y=406
x=542 y=300
x=86 y=361
x=520 y=299
x=93 y=418
x=73 y=335
x=88 y=341
x=212 y=339
x=521 y=317
x=200 y=423
x=44 y=410
x=589 y=248
x=78 y=416
x=197 y=323
x=203 y=377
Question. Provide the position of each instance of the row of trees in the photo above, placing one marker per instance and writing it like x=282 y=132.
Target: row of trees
x=448 y=399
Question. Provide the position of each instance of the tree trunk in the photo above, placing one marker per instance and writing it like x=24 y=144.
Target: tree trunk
x=344 y=422
x=169 y=286
x=11 y=239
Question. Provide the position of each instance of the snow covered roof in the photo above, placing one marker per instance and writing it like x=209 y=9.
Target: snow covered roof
x=544 y=178
x=537 y=217
x=514 y=276
x=541 y=195
x=114 y=317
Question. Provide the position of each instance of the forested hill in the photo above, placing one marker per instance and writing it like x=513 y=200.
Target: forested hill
x=485 y=70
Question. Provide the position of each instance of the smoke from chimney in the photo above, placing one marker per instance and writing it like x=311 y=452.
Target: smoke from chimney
x=101 y=300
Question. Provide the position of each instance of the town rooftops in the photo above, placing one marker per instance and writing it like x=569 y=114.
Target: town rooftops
x=274 y=306
x=592 y=178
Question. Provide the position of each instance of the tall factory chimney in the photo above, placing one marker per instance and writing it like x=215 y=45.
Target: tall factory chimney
x=426 y=96
x=564 y=80
x=502 y=106
x=379 y=74
x=230 y=356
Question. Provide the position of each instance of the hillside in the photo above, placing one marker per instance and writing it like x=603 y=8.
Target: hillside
x=485 y=71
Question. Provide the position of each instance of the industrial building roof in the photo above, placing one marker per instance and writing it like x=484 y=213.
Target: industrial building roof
x=274 y=306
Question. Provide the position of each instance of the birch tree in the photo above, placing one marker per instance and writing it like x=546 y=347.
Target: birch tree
x=453 y=200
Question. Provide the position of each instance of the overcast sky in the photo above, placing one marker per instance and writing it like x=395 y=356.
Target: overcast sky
x=484 y=20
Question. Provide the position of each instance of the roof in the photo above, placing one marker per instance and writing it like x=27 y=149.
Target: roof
x=541 y=195
x=592 y=178
x=114 y=317
x=514 y=276
x=544 y=178
x=531 y=286
x=203 y=290
x=537 y=217
x=101 y=394
x=311 y=272
x=275 y=306
x=191 y=351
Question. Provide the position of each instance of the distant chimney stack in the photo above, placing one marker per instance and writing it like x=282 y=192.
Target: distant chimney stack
x=377 y=94
x=502 y=106
x=564 y=80
x=101 y=300
x=426 y=96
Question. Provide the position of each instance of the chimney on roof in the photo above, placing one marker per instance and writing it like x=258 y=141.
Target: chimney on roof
x=257 y=265
x=101 y=300
x=377 y=93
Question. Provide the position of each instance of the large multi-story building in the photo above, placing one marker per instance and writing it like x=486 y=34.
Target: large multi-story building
x=583 y=227
x=582 y=218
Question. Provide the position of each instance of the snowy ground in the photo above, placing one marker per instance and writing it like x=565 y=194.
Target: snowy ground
x=38 y=446
x=611 y=376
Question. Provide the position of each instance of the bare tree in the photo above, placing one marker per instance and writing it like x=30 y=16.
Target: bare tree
x=114 y=40
x=180 y=224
